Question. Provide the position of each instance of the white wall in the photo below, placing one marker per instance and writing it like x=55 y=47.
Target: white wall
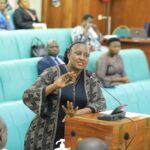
x=37 y=5
x=34 y=4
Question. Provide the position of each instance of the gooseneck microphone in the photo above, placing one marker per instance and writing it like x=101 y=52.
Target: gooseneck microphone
x=89 y=74
x=117 y=113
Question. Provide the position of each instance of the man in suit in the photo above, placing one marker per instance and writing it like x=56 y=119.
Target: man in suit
x=52 y=58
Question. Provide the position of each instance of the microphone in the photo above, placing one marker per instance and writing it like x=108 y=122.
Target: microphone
x=73 y=135
x=89 y=74
x=117 y=113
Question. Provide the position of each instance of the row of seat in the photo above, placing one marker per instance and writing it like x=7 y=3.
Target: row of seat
x=18 y=75
x=17 y=44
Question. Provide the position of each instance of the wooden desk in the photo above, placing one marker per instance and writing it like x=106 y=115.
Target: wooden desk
x=112 y=132
x=142 y=44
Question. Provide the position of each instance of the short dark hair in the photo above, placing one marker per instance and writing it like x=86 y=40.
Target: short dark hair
x=19 y=1
x=92 y=143
x=68 y=50
x=86 y=17
x=112 y=40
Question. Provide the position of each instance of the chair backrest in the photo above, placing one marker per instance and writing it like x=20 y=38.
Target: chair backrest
x=122 y=31
x=94 y=56
x=135 y=64
x=17 y=118
x=135 y=95
x=16 y=44
x=16 y=76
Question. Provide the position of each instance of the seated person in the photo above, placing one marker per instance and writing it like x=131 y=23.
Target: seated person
x=24 y=17
x=88 y=32
x=3 y=134
x=5 y=20
x=109 y=67
x=52 y=59
x=92 y=144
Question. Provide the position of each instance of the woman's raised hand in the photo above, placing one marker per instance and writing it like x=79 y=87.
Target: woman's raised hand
x=65 y=79
x=69 y=110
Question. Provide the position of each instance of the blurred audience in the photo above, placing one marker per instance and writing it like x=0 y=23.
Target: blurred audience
x=109 y=68
x=3 y=134
x=92 y=144
x=52 y=58
x=5 y=19
x=24 y=17
x=87 y=31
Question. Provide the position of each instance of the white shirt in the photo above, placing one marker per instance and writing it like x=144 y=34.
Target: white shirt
x=58 y=59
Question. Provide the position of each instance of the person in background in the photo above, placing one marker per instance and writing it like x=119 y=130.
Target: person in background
x=52 y=58
x=87 y=31
x=61 y=91
x=109 y=67
x=92 y=143
x=5 y=19
x=24 y=17
x=3 y=134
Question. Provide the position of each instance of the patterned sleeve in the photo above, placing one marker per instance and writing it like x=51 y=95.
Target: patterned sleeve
x=97 y=101
x=35 y=95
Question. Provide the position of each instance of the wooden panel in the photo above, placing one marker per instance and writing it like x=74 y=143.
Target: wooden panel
x=133 y=13
x=70 y=13
x=57 y=17
x=112 y=132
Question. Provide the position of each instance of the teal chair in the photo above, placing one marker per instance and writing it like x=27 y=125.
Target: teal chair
x=135 y=95
x=94 y=56
x=24 y=39
x=15 y=77
x=16 y=44
x=17 y=118
x=136 y=65
x=122 y=31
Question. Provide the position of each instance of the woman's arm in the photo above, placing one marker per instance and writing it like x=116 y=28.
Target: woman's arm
x=35 y=96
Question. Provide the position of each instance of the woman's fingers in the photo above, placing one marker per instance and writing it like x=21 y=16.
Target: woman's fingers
x=70 y=76
x=64 y=109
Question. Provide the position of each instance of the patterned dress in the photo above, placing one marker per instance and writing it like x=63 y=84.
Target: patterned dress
x=108 y=68
x=43 y=128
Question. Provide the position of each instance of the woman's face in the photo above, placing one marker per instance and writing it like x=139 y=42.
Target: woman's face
x=3 y=4
x=114 y=47
x=78 y=56
x=24 y=4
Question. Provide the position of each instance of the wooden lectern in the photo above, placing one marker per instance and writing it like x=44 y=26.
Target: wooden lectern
x=112 y=132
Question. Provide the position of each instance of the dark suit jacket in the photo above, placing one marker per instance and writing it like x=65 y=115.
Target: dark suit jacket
x=23 y=20
x=46 y=62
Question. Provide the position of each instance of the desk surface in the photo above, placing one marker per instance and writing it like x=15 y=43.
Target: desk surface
x=146 y=41
x=92 y=118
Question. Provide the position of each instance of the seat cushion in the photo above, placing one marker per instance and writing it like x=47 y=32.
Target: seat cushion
x=17 y=118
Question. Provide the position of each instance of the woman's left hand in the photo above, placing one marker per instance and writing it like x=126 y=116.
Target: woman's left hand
x=69 y=110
